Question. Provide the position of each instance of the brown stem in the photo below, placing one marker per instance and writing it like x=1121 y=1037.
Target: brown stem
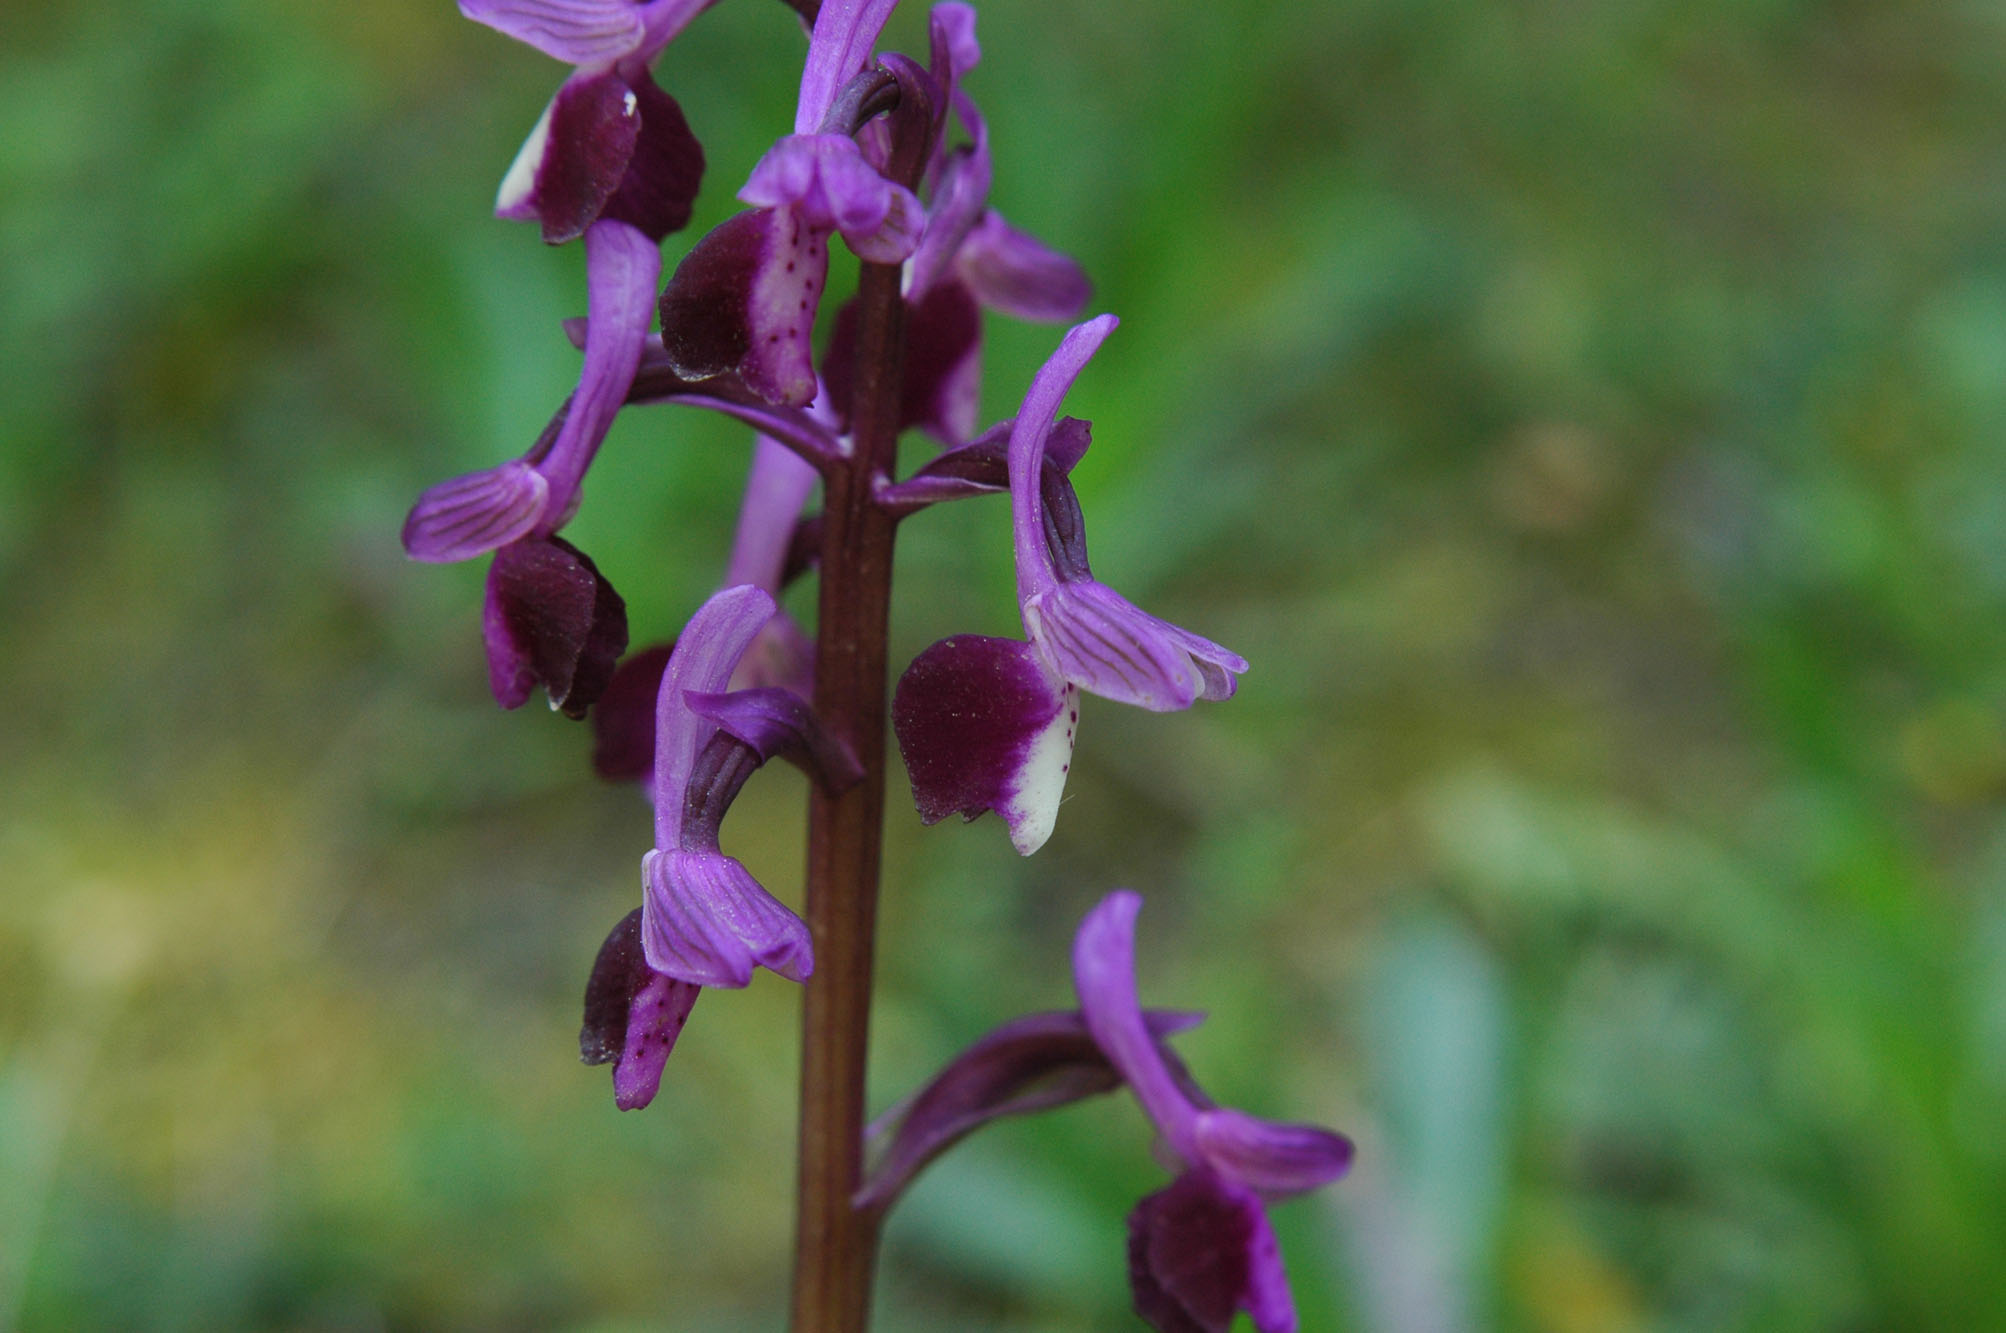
x=835 y=1243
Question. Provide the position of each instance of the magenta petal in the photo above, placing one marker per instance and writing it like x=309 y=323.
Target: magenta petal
x=551 y=618
x=1276 y=1160
x=665 y=170
x=705 y=919
x=1104 y=976
x=660 y=1010
x=825 y=178
x=633 y=1015
x=1098 y=640
x=838 y=48
x=778 y=723
x=982 y=726
x=951 y=29
x=623 y=721
x=575 y=157
x=1029 y=1064
x=742 y=302
x=703 y=660
x=464 y=517
x=577 y=32
x=1200 y=1251
x=1021 y=275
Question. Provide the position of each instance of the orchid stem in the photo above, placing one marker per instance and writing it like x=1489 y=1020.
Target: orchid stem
x=835 y=1242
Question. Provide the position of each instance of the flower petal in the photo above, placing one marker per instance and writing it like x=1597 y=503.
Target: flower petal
x=982 y=467
x=778 y=723
x=575 y=157
x=622 y=267
x=742 y=303
x=705 y=919
x=982 y=726
x=659 y=189
x=633 y=1015
x=1020 y=275
x=623 y=721
x=1029 y=1064
x=1200 y=1251
x=825 y=178
x=1274 y=1159
x=951 y=31
x=1104 y=975
x=838 y=48
x=577 y=32
x=1097 y=639
x=551 y=618
x=464 y=517
x=709 y=647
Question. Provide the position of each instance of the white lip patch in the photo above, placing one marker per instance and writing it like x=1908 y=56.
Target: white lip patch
x=512 y=200
x=1039 y=783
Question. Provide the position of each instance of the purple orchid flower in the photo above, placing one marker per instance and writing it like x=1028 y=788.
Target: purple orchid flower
x=742 y=303
x=1201 y=1249
x=988 y=723
x=612 y=160
x=968 y=260
x=704 y=918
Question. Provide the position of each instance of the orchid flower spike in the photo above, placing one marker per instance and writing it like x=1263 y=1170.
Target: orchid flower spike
x=742 y=303
x=1201 y=1249
x=989 y=723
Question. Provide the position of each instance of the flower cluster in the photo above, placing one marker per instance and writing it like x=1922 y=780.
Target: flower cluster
x=893 y=157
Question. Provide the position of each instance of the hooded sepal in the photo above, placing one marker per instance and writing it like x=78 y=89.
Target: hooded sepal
x=705 y=919
x=742 y=304
x=633 y=1015
x=1029 y=1064
x=982 y=725
x=1200 y=1251
x=551 y=618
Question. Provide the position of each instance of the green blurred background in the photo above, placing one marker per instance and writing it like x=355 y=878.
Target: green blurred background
x=1588 y=418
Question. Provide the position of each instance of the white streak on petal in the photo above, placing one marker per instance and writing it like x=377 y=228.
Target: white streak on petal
x=515 y=200
x=1040 y=783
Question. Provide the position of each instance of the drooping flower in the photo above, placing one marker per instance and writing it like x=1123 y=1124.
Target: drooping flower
x=1201 y=1249
x=989 y=723
x=704 y=918
x=612 y=160
x=742 y=303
